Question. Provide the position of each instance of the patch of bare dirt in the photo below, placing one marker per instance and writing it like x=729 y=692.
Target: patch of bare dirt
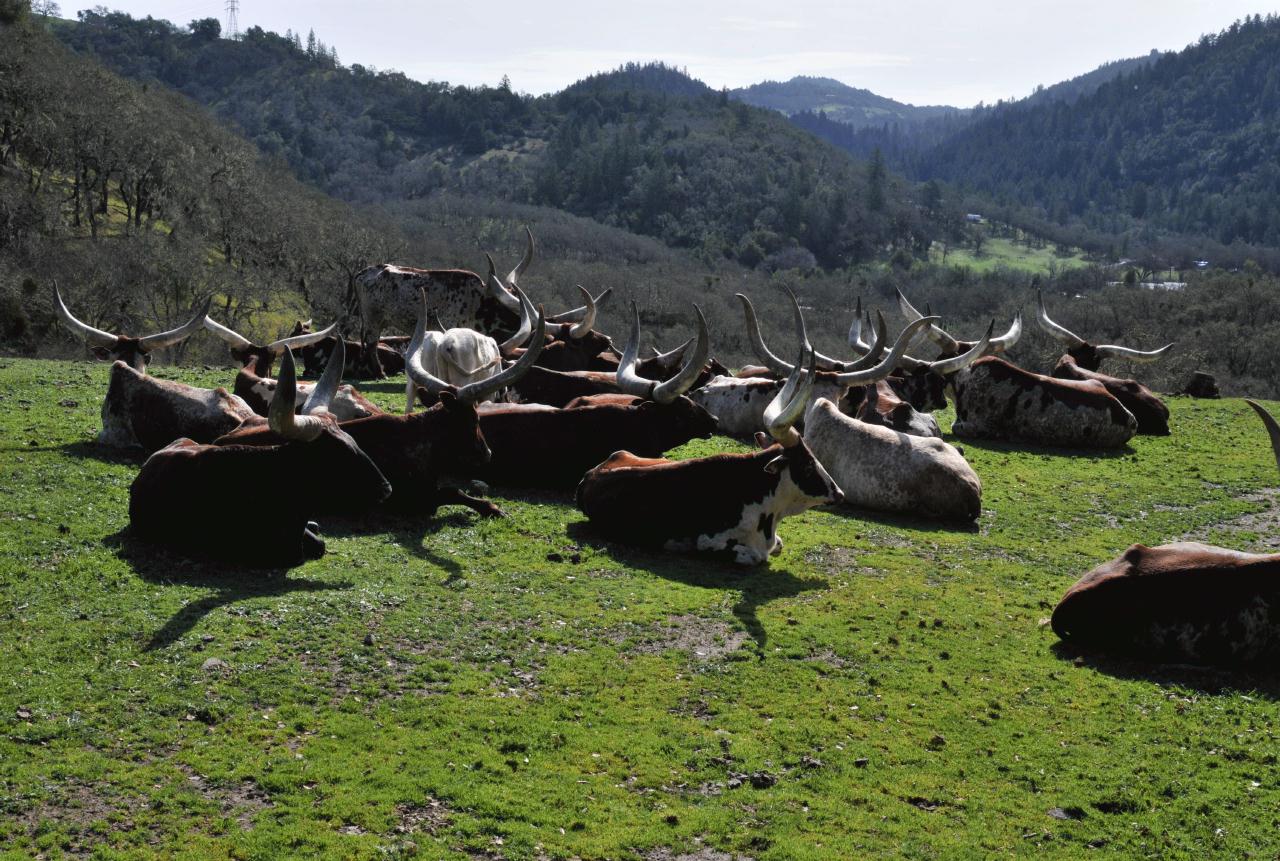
x=242 y=801
x=76 y=808
x=429 y=817
x=845 y=560
x=705 y=854
x=1266 y=523
x=701 y=639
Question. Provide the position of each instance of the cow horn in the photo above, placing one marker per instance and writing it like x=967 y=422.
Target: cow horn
x=789 y=403
x=672 y=357
x=514 y=275
x=1009 y=338
x=583 y=328
x=94 y=337
x=1061 y=333
x=889 y=362
x=495 y=289
x=933 y=333
x=1114 y=352
x=666 y=392
x=280 y=415
x=967 y=358
x=876 y=348
x=297 y=342
x=507 y=347
x=1273 y=429
x=327 y=386
x=437 y=325
x=481 y=389
x=575 y=315
x=160 y=340
x=855 y=330
x=772 y=362
x=226 y=333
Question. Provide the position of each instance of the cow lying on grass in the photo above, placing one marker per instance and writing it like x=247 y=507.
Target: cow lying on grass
x=1182 y=603
x=728 y=503
x=191 y=498
x=263 y=356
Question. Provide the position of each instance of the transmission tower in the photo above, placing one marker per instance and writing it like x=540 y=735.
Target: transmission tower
x=233 y=22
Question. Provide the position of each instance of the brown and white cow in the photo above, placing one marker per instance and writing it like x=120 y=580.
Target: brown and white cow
x=997 y=400
x=1181 y=603
x=134 y=352
x=1081 y=362
x=191 y=498
x=144 y=411
x=726 y=503
x=547 y=447
x=263 y=356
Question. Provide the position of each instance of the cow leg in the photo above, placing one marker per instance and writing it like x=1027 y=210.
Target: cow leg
x=454 y=496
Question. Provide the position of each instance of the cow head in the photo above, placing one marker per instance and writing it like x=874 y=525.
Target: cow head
x=685 y=419
x=244 y=351
x=135 y=352
x=1087 y=355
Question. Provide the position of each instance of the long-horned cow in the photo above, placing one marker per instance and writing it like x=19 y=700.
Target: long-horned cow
x=144 y=411
x=191 y=498
x=1081 y=362
x=1183 y=603
x=549 y=447
x=729 y=503
x=263 y=356
x=416 y=451
x=135 y=352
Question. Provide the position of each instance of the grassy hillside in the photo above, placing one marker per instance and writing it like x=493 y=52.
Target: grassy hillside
x=518 y=689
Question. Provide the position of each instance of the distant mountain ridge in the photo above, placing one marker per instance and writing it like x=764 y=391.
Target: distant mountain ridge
x=839 y=101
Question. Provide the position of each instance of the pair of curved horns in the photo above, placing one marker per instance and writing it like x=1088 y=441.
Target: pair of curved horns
x=945 y=341
x=631 y=383
x=792 y=399
x=99 y=338
x=504 y=291
x=516 y=341
x=240 y=342
x=579 y=314
x=1071 y=339
x=480 y=389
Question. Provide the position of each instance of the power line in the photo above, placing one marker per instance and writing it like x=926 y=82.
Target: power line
x=233 y=19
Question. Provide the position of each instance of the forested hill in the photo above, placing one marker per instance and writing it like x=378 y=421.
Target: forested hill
x=1188 y=144
x=645 y=148
x=839 y=102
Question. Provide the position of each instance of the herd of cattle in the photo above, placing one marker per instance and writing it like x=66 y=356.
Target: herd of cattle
x=514 y=397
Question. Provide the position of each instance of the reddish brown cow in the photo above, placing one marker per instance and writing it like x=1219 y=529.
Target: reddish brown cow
x=1081 y=362
x=1183 y=603
x=134 y=352
x=191 y=498
x=543 y=446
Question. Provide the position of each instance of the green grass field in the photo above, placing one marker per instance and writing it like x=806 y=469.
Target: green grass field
x=518 y=689
x=998 y=251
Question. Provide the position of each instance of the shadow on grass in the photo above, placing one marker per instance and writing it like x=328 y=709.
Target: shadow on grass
x=906 y=522
x=84 y=451
x=408 y=529
x=1013 y=447
x=1209 y=680
x=232 y=583
x=758 y=585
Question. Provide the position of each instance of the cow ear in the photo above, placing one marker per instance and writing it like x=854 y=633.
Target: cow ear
x=448 y=398
x=776 y=465
x=762 y=439
x=902 y=412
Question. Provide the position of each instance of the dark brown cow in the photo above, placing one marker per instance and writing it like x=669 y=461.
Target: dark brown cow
x=263 y=356
x=1183 y=603
x=134 y=352
x=543 y=446
x=1081 y=362
x=390 y=355
x=879 y=404
x=141 y=410
x=727 y=503
x=415 y=451
x=575 y=346
x=192 y=498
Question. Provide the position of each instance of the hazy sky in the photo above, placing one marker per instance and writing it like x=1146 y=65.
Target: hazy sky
x=918 y=51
